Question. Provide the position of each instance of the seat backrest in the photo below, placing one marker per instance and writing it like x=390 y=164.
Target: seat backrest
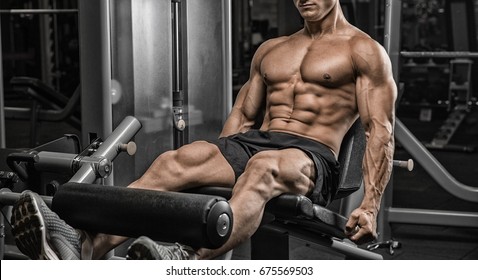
x=350 y=158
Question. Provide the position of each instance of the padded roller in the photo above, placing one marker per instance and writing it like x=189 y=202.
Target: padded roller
x=191 y=219
x=295 y=209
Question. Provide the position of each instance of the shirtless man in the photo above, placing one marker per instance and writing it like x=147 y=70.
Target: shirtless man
x=313 y=85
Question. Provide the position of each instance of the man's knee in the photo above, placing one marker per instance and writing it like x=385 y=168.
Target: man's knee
x=265 y=166
x=272 y=174
x=260 y=176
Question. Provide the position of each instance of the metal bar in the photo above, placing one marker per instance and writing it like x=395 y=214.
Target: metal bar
x=95 y=69
x=2 y=112
x=46 y=48
x=2 y=234
x=344 y=247
x=61 y=163
x=439 y=54
x=38 y=11
x=432 y=217
x=227 y=46
x=7 y=197
x=393 y=13
x=176 y=47
x=392 y=31
x=432 y=165
x=178 y=94
x=109 y=149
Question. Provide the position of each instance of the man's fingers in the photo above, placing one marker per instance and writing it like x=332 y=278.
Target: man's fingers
x=359 y=229
x=351 y=230
x=352 y=226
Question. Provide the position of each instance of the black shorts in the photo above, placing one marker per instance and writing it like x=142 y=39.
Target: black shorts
x=239 y=148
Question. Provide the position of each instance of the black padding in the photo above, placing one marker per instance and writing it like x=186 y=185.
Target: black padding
x=294 y=210
x=192 y=219
x=350 y=157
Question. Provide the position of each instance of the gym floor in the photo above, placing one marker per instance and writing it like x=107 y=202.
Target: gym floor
x=414 y=189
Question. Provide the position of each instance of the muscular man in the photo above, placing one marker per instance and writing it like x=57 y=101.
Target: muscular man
x=311 y=86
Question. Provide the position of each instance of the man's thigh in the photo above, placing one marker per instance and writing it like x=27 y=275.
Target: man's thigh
x=290 y=170
x=206 y=164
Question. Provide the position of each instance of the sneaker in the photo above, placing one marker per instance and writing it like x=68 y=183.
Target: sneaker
x=144 y=248
x=39 y=232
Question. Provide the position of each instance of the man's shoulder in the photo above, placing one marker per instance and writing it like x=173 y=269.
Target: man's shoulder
x=366 y=52
x=358 y=38
x=274 y=41
x=268 y=45
x=361 y=43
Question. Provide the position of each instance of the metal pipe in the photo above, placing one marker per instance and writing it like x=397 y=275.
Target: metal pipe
x=350 y=250
x=2 y=113
x=178 y=94
x=7 y=197
x=432 y=165
x=227 y=43
x=51 y=161
x=109 y=149
x=2 y=235
x=432 y=217
x=38 y=11
x=393 y=12
x=406 y=54
x=95 y=68
x=176 y=48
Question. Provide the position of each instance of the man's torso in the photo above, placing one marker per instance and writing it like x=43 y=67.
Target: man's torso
x=311 y=87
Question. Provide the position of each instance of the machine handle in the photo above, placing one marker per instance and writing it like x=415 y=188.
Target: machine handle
x=408 y=164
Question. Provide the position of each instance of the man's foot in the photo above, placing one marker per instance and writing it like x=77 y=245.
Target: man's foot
x=39 y=232
x=144 y=248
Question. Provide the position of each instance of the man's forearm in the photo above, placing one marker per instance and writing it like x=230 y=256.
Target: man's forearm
x=377 y=167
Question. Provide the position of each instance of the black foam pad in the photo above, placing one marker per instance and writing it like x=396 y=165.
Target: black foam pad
x=191 y=219
x=294 y=210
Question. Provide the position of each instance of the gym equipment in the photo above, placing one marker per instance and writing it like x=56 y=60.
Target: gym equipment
x=420 y=153
x=38 y=11
x=196 y=220
x=145 y=31
x=2 y=112
x=93 y=163
x=47 y=105
x=200 y=217
x=192 y=219
x=460 y=97
x=296 y=215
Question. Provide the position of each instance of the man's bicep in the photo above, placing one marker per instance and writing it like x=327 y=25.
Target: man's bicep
x=375 y=88
x=251 y=97
x=247 y=106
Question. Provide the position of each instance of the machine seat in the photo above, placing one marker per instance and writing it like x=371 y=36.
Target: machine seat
x=300 y=210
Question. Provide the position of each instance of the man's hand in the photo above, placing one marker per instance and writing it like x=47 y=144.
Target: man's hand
x=361 y=226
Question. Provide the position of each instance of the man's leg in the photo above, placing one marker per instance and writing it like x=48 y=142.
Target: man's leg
x=267 y=175
x=196 y=164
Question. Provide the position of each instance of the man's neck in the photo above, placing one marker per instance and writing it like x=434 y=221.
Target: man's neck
x=328 y=25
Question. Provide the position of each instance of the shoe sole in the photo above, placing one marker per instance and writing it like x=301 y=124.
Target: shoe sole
x=29 y=229
x=142 y=250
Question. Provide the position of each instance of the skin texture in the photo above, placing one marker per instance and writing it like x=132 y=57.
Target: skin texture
x=315 y=84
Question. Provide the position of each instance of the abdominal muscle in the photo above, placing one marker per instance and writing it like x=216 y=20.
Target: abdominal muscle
x=324 y=115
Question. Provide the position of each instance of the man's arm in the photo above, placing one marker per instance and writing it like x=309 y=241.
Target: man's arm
x=376 y=94
x=251 y=98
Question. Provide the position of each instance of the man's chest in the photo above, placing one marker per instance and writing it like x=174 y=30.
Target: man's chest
x=327 y=64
